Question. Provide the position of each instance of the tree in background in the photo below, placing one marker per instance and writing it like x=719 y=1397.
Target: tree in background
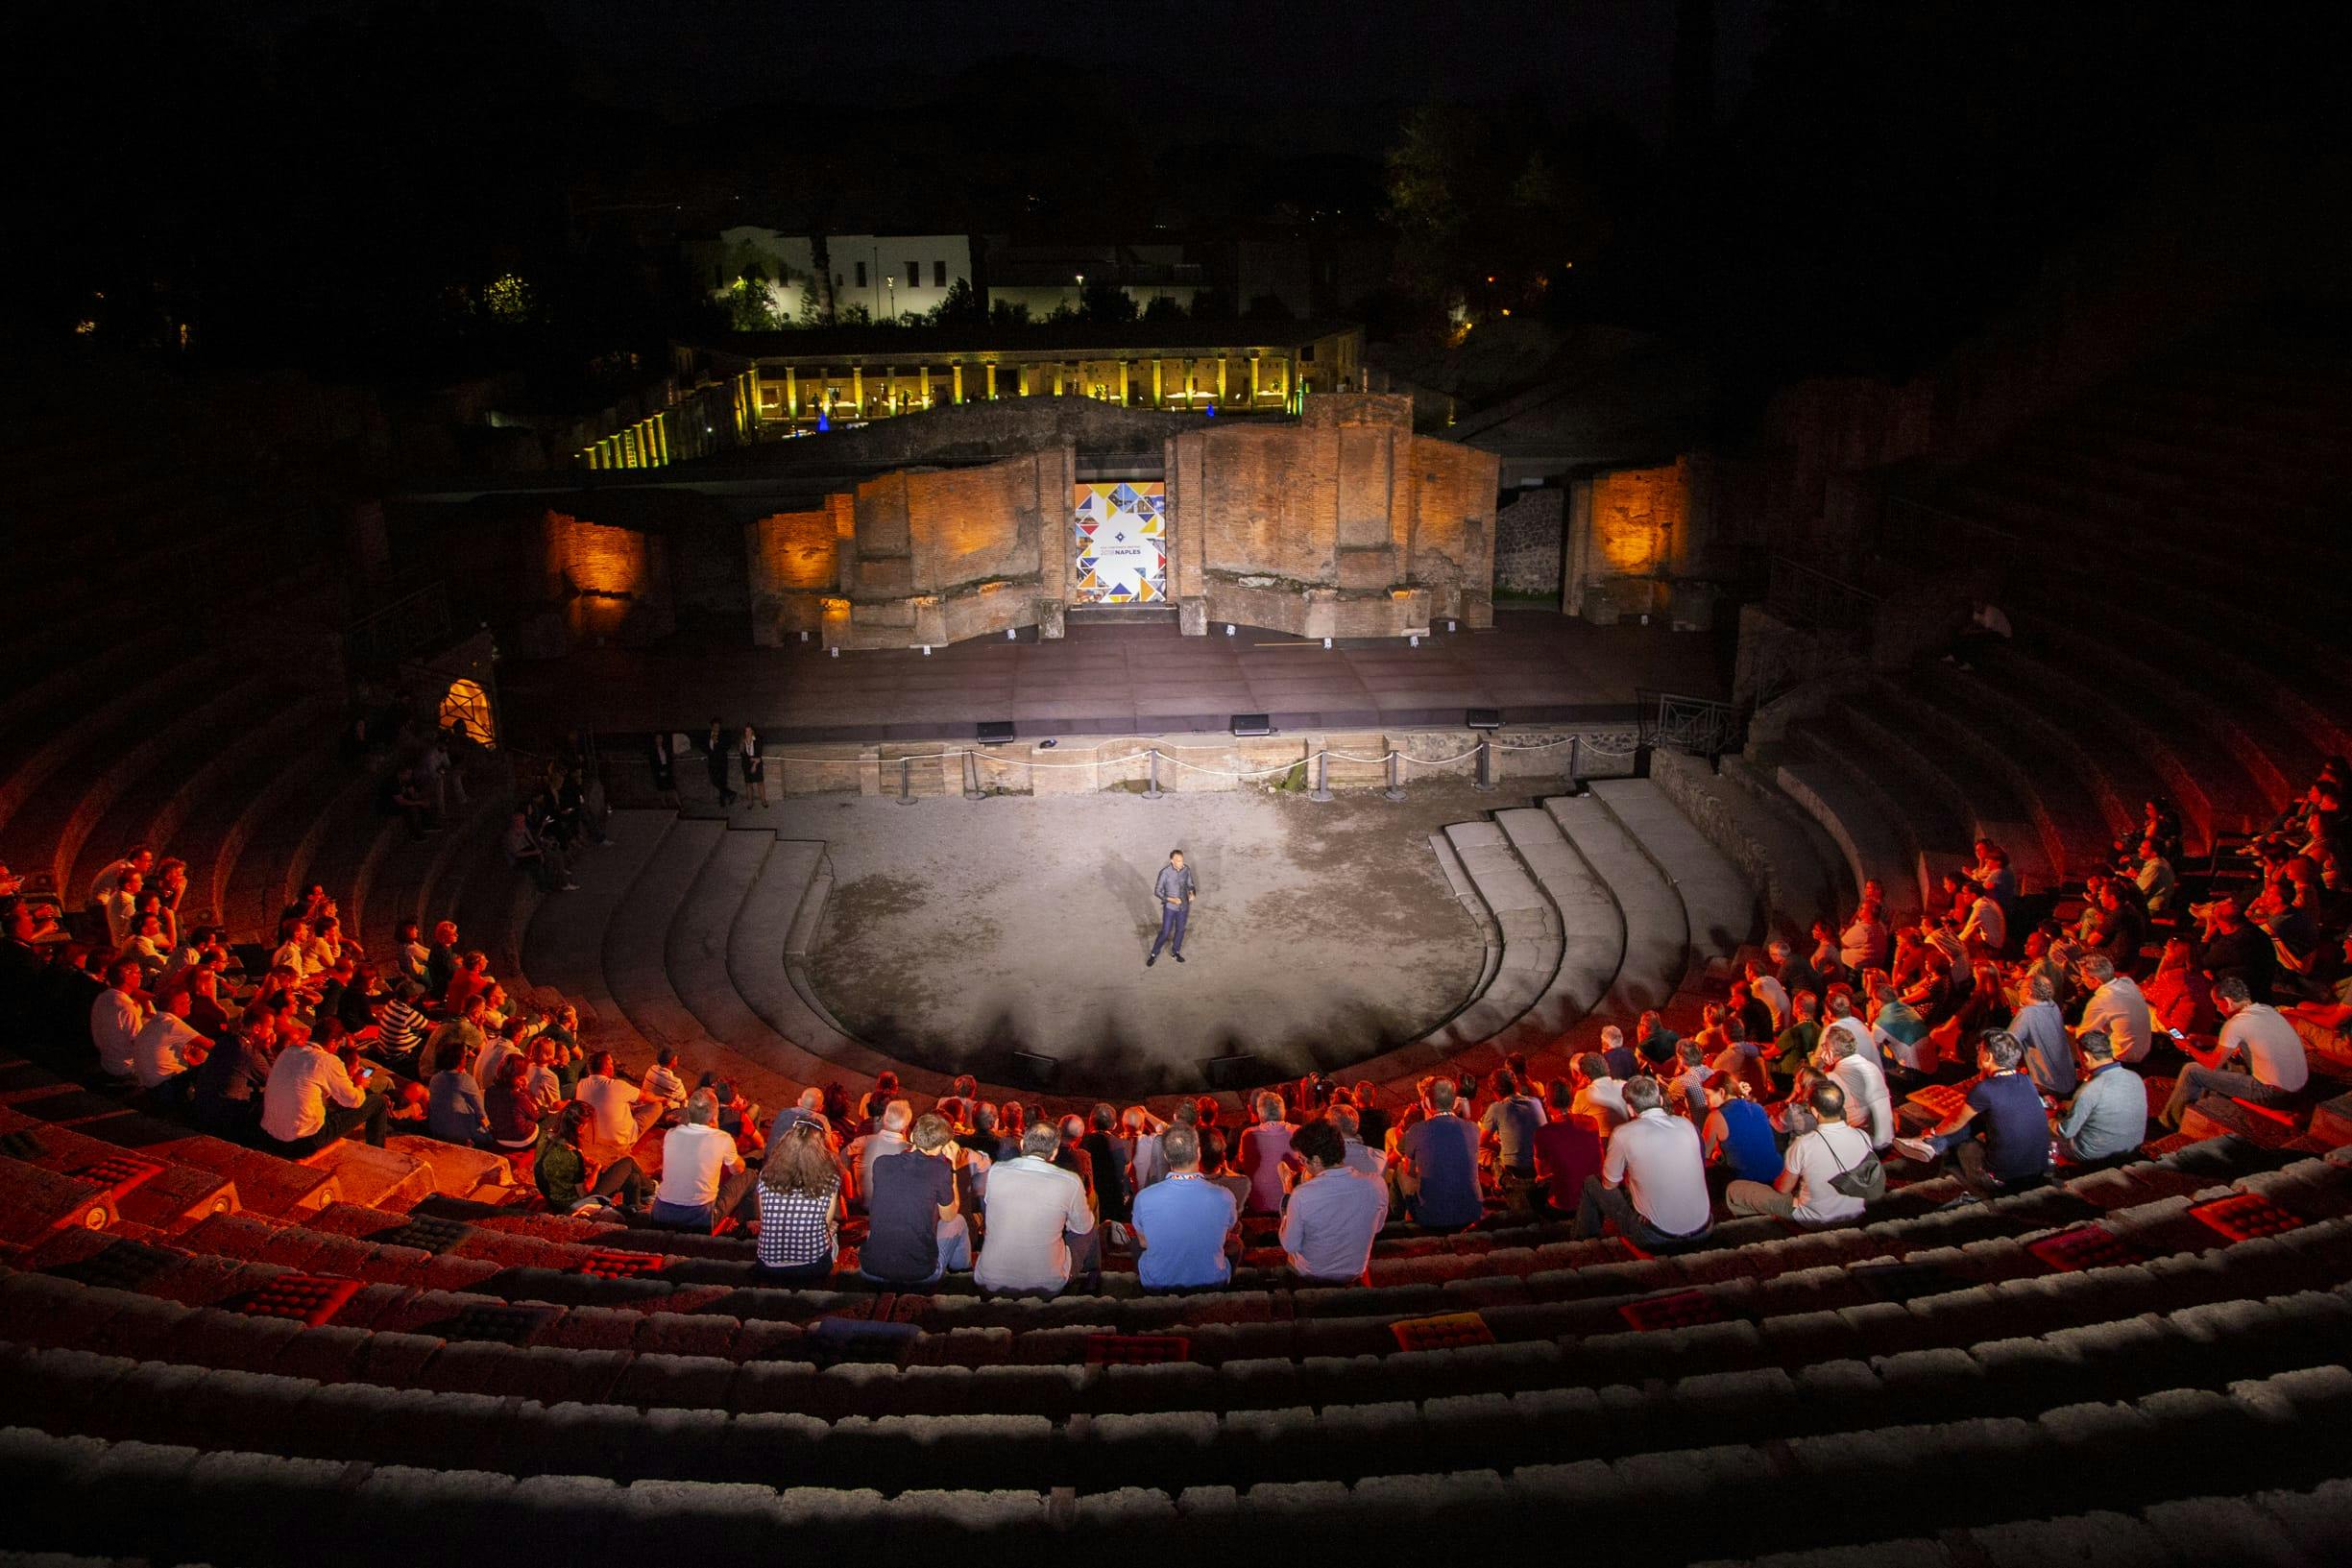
x=959 y=308
x=1104 y=300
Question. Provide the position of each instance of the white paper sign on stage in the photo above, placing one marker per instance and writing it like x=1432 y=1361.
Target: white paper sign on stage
x=1121 y=541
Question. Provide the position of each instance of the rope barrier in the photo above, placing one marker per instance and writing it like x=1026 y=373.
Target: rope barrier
x=1599 y=745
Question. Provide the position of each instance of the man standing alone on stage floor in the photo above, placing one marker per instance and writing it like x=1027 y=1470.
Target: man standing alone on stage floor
x=1175 y=890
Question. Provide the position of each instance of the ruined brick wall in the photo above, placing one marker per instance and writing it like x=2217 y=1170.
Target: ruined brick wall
x=605 y=582
x=793 y=559
x=937 y=556
x=1344 y=524
x=1629 y=538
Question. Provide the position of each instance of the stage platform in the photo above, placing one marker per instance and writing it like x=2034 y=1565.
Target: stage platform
x=1537 y=665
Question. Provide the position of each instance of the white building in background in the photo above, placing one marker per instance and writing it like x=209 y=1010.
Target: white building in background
x=887 y=275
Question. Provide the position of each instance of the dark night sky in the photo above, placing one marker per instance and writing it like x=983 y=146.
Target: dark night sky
x=687 y=58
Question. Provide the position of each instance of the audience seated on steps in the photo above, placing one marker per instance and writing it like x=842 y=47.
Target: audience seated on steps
x=2325 y=1026
x=1868 y=1104
x=704 y=1178
x=915 y=1228
x=621 y=1116
x=454 y=1111
x=2115 y=1008
x=2041 y=1028
x=1652 y=1185
x=1823 y=1148
x=573 y=1182
x=2258 y=1057
x=2106 y=1122
x=2000 y=1137
x=889 y=1137
x=1437 y=1163
x=1187 y=1228
x=311 y=1100
x=1333 y=1214
x=1040 y=1227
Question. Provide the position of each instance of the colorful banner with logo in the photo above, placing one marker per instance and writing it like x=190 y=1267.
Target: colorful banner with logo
x=1121 y=543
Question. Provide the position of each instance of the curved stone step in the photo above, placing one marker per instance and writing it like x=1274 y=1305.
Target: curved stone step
x=249 y=875
x=2115 y=777
x=1531 y=935
x=50 y=775
x=2213 y=794
x=2070 y=832
x=1654 y=946
x=1720 y=908
x=700 y=938
x=1593 y=929
x=2240 y=735
x=637 y=936
x=147 y=770
x=563 y=945
x=1466 y=894
x=1793 y=866
x=441 y=883
x=1935 y=835
x=775 y=930
x=200 y=797
x=389 y=885
x=1856 y=819
x=1976 y=800
x=2318 y=701
x=226 y=798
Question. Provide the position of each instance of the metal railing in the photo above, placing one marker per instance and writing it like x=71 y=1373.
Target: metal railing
x=1695 y=726
x=415 y=621
x=1809 y=597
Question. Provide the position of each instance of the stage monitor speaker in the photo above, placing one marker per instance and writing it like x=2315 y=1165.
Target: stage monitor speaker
x=1483 y=718
x=1037 y=1071
x=1247 y=724
x=995 y=732
x=1231 y=1072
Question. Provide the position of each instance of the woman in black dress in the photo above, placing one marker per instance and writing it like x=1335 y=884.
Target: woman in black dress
x=755 y=766
x=665 y=770
x=716 y=759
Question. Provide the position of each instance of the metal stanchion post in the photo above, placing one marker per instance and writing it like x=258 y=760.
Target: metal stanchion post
x=1485 y=781
x=1323 y=777
x=906 y=781
x=1152 y=791
x=1396 y=788
x=970 y=777
x=1576 y=785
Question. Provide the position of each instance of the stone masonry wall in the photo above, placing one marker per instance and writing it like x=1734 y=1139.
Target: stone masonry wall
x=605 y=583
x=1529 y=537
x=794 y=563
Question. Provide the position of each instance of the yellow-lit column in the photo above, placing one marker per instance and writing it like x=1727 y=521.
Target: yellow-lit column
x=1020 y=380
x=1220 y=379
x=1254 y=380
x=927 y=383
x=890 y=389
x=955 y=389
x=990 y=376
x=1157 y=400
x=757 y=418
x=791 y=394
x=1122 y=399
x=856 y=389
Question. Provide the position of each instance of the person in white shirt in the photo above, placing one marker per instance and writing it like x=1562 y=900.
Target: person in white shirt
x=121 y=908
x=890 y=1138
x=1987 y=925
x=165 y=1048
x=1653 y=1180
x=1822 y=1147
x=117 y=1014
x=621 y=1113
x=1868 y=1104
x=703 y=1177
x=1150 y=1162
x=1841 y=1024
x=1040 y=1227
x=2115 y=1009
x=1766 y=987
x=661 y=1083
x=110 y=881
x=310 y=1101
x=2275 y=1072
x=2154 y=878
x=1600 y=1098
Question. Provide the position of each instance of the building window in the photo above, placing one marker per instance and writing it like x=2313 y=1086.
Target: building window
x=938 y=274
x=914 y=275
x=1306 y=354
x=862 y=275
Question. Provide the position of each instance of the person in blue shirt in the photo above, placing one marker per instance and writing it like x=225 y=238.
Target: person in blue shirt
x=1737 y=1133
x=2000 y=1138
x=1182 y=1221
x=1438 y=1163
